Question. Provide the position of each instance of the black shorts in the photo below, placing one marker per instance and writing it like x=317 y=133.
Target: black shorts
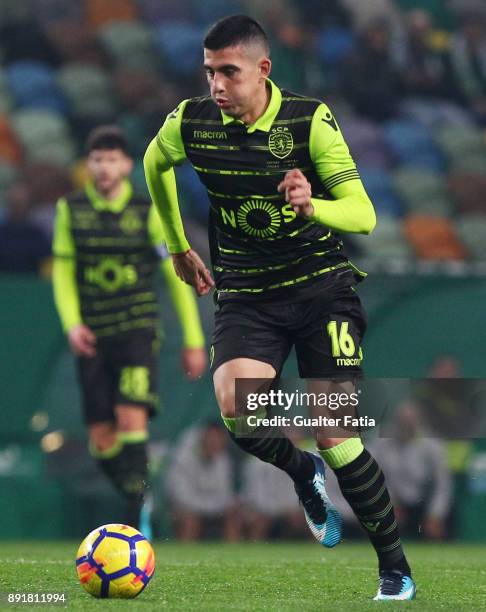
x=124 y=371
x=326 y=333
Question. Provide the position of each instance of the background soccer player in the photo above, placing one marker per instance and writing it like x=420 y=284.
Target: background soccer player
x=108 y=243
x=280 y=182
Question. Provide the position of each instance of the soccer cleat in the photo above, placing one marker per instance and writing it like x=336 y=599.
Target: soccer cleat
x=323 y=519
x=395 y=585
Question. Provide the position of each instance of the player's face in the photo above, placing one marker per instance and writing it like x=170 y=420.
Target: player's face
x=108 y=168
x=235 y=76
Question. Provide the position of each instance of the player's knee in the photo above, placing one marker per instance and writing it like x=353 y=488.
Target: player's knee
x=102 y=436
x=225 y=396
x=131 y=419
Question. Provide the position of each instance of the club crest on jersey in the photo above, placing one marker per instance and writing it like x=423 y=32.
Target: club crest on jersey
x=280 y=142
x=130 y=222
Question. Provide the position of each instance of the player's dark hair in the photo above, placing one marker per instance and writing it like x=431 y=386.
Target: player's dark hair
x=107 y=138
x=235 y=30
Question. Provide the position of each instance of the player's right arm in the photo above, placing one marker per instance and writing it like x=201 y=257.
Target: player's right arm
x=81 y=338
x=164 y=152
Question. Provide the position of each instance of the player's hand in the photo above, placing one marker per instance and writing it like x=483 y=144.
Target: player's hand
x=82 y=341
x=298 y=192
x=194 y=362
x=190 y=268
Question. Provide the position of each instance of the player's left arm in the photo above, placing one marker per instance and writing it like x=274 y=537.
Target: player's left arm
x=351 y=209
x=194 y=357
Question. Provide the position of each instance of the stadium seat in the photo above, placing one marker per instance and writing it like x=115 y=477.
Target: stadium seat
x=47 y=182
x=468 y=191
x=422 y=192
x=464 y=147
x=8 y=175
x=14 y=13
x=333 y=44
x=100 y=13
x=137 y=132
x=388 y=240
x=411 y=145
x=471 y=229
x=380 y=189
x=179 y=43
x=156 y=12
x=139 y=91
x=130 y=45
x=366 y=143
x=6 y=101
x=48 y=11
x=206 y=13
x=10 y=147
x=88 y=90
x=33 y=85
x=435 y=113
x=76 y=43
x=433 y=238
x=44 y=135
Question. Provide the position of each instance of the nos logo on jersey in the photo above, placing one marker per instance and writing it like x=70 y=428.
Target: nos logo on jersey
x=280 y=142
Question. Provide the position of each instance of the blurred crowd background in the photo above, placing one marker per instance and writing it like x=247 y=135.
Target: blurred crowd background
x=406 y=80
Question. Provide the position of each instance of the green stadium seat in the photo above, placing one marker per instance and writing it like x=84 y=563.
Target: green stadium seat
x=88 y=90
x=130 y=45
x=388 y=240
x=471 y=229
x=14 y=13
x=45 y=136
x=6 y=101
x=463 y=146
x=422 y=191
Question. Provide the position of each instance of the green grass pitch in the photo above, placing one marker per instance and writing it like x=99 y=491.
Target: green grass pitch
x=255 y=577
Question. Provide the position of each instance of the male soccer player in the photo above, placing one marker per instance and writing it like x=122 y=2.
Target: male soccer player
x=108 y=242
x=280 y=182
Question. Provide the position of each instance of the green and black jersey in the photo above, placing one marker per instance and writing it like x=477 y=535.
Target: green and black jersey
x=259 y=247
x=114 y=245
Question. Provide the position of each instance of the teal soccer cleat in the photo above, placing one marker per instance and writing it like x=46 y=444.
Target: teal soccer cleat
x=395 y=585
x=322 y=517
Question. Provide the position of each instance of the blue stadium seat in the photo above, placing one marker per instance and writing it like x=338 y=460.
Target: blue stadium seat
x=411 y=144
x=380 y=189
x=33 y=85
x=180 y=44
x=333 y=44
x=156 y=12
x=206 y=13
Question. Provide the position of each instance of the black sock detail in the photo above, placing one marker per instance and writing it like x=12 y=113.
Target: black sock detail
x=279 y=451
x=128 y=471
x=362 y=484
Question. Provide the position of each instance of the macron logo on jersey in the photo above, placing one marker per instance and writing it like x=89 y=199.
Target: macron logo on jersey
x=209 y=134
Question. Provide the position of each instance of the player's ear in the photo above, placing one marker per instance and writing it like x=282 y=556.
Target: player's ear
x=265 y=67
